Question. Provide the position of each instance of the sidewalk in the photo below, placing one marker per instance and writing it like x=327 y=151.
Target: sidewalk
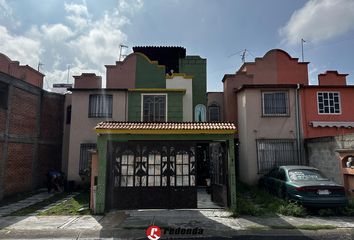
x=125 y=223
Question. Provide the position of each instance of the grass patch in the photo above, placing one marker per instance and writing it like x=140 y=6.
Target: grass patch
x=39 y=205
x=257 y=202
x=78 y=205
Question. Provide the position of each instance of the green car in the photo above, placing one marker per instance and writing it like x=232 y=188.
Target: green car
x=306 y=185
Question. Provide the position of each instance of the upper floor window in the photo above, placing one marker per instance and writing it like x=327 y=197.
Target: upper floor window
x=275 y=103
x=154 y=108
x=214 y=112
x=4 y=92
x=100 y=106
x=328 y=102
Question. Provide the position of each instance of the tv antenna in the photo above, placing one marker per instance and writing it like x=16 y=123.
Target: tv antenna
x=121 y=47
x=39 y=66
x=67 y=80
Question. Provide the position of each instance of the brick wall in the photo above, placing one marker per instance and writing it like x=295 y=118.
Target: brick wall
x=49 y=157
x=18 y=177
x=52 y=114
x=2 y=120
x=23 y=112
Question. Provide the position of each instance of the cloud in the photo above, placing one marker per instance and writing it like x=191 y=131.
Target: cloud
x=319 y=20
x=81 y=41
x=5 y=9
x=19 y=48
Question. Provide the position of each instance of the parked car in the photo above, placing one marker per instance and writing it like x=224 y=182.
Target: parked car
x=306 y=185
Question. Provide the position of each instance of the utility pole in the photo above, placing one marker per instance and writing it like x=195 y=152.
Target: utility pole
x=121 y=46
x=302 y=48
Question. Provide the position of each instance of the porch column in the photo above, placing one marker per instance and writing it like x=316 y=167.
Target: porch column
x=231 y=172
x=102 y=167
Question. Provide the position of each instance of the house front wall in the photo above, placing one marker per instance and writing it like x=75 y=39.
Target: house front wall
x=81 y=127
x=310 y=112
x=184 y=82
x=252 y=126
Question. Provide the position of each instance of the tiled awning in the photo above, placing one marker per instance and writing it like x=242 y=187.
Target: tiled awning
x=166 y=127
x=332 y=124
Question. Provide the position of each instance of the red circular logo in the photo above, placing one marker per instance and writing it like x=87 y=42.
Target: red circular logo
x=153 y=232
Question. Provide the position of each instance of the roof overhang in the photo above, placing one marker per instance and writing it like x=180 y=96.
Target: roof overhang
x=161 y=128
x=332 y=124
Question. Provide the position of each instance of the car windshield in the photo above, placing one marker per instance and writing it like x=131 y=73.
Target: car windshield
x=305 y=175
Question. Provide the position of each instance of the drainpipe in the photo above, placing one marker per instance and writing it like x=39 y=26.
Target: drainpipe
x=297 y=116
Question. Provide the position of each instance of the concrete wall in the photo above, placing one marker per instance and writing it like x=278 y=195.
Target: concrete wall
x=252 y=126
x=321 y=154
x=186 y=83
x=81 y=127
x=30 y=136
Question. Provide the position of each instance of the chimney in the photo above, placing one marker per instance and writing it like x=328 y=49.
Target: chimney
x=332 y=78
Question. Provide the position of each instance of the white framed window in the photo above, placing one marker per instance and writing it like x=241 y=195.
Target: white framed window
x=275 y=103
x=328 y=103
x=154 y=107
x=100 y=106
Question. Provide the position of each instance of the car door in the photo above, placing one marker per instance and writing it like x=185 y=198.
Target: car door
x=279 y=183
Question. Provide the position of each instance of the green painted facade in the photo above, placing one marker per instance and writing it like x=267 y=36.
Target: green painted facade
x=149 y=75
x=174 y=106
x=196 y=66
x=102 y=153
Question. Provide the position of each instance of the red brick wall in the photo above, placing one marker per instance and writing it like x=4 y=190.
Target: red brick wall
x=49 y=157
x=52 y=113
x=23 y=113
x=18 y=173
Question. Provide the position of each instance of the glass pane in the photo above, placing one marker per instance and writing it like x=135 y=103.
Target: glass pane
x=185 y=158
x=157 y=170
x=157 y=159
x=131 y=159
x=164 y=181
x=137 y=181
x=123 y=181
x=124 y=170
x=185 y=180
x=151 y=181
x=124 y=159
x=151 y=170
x=130 y=170
x=172 y=181
x=179 y=181
x=151 y=159
x=130 y=181
x=179 y=158
x=179 y=170
x=157 y=181
x=185 y=170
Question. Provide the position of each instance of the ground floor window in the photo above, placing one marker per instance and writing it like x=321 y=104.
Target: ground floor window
x=85 y=157
x=275 y=152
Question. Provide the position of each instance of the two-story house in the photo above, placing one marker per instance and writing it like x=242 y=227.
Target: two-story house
x=152 y=138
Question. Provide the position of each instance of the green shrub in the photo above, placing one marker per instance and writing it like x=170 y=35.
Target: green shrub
x=326 y=212
x=292 y=209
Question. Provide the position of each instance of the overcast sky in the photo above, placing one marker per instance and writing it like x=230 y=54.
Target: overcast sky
x=86 y=34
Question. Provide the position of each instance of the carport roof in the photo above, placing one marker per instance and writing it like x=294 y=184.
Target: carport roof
x=166 y=127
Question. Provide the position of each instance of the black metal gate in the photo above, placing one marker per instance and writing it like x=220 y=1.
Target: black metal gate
x=152 y=174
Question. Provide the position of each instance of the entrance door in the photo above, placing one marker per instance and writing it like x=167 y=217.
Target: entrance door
x=152 y=174
x=218 y=169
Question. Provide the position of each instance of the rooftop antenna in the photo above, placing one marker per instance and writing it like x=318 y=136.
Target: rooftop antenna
x=67 y=80
x=243 y=56
x=39 y=66
x=302 y=48
x=121 y=46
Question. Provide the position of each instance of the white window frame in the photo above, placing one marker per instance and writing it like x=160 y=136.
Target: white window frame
x=287 y=114
x=153 y=94
x=318 y=103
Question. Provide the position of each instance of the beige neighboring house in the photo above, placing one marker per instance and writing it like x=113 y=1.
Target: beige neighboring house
x=260 y=108
x=91 y=105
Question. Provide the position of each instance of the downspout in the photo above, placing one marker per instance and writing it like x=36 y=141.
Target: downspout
x=297 y=116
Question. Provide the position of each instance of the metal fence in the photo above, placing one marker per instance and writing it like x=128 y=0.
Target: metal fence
x=275 y=152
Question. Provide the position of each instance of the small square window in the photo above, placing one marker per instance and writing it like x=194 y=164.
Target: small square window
x=275 y=103
x=328 y=103
x=100 y=106
x=154 y=108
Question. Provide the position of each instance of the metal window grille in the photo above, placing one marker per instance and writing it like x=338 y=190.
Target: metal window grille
x=85 y=157
x=214 y=113
x=328 y=102
x=154 y=108
x=275 y=103
x=275 y=152
x=100 y=106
